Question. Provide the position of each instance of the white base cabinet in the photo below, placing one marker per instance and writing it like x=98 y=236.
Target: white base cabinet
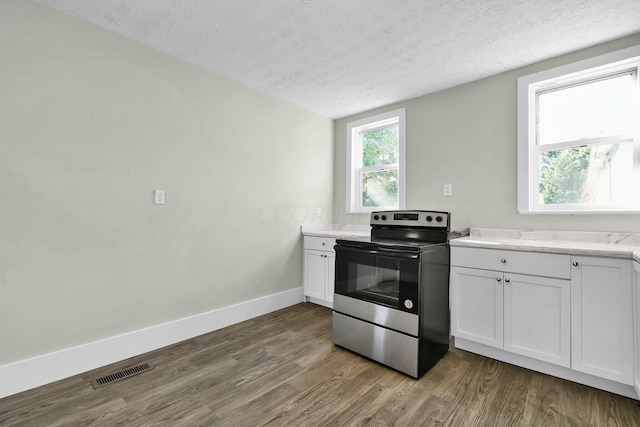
x=568 y=316
x=537 y=320
x=319 y=269
x=602 y=318
x=520 y=313
x=477 y=305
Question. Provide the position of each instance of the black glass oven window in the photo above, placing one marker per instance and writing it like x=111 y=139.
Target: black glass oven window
x=385 y=280
x=375 y=283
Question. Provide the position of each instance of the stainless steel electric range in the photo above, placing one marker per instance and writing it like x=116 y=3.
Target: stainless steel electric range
x=391 y=301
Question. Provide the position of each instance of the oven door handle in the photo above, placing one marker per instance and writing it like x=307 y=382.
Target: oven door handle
x=395 y=253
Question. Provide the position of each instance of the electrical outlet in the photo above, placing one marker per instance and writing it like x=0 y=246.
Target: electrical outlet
x=447 y=190
x=318 y=211
x=158 y=197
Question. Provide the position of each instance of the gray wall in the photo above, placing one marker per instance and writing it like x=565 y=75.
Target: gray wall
x=466 y=136
x=90 y=124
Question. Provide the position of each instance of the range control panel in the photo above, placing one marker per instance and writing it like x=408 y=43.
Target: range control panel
x=427 y=219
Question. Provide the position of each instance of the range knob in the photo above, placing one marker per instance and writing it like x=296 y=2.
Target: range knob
x=408 y=303
x=384 y=217
x=429 y=218
x=376 y=217
x=439 y=218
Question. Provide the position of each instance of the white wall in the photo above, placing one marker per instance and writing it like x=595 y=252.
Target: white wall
x=90 y=124
x=466 y=136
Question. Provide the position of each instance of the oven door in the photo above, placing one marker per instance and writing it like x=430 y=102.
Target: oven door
x=387 y=278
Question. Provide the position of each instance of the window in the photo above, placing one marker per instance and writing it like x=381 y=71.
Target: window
x=375 y=163
x=578 y=144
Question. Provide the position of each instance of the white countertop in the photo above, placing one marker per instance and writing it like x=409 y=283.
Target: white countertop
x=618 y=245
x=339 y=231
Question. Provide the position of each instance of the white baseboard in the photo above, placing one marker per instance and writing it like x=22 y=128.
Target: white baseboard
x=47 y=368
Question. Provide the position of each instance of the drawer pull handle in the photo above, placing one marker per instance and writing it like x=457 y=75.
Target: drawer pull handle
x=507 y=280
x=498 y=279
x=504 y=261
x=575 y=263
x=323 y=243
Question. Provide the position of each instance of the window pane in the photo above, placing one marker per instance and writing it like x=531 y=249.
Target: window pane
x=590 y=110
x=600 y=175
x=380 y=146
x=380 y=188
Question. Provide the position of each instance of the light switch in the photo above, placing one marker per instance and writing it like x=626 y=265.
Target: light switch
x=158 y=197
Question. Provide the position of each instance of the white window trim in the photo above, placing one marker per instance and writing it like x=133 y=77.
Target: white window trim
x=353 y=183
x=526 y=121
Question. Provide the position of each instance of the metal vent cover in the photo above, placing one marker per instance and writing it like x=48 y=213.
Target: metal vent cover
x=121 y=375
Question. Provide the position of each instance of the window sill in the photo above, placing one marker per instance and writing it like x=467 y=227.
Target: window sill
x=630 y=211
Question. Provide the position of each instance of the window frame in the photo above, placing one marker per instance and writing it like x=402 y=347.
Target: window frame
x=528 y=88
x=355 y=171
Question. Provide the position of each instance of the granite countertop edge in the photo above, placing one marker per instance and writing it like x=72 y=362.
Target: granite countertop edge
x=336 y=231
x=615 y=245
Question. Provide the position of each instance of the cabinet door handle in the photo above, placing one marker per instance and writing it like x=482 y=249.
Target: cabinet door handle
x=498 y=279
x=507 y=280
x=504 y=261
x=575 y=263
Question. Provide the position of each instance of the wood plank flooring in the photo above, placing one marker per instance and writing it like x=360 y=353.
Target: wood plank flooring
x=282 y=369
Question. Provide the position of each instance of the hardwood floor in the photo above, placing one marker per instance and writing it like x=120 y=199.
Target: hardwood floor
x=282 y=369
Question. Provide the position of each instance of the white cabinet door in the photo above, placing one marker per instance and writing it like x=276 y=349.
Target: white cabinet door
x=537 y=317
x=314 y=273
x=330 y=282
x=601 y=318
x=636 y=298
x=477 y=305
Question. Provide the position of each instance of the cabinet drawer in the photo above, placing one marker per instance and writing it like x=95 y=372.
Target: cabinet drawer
x=533 y=263
x=319 y=243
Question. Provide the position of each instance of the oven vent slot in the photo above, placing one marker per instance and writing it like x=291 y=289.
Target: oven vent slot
x=120 y=375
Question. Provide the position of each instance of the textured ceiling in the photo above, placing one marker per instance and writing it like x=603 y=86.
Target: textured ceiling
x=340 y=57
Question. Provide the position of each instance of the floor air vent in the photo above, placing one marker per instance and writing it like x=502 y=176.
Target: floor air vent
x=120 y=375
